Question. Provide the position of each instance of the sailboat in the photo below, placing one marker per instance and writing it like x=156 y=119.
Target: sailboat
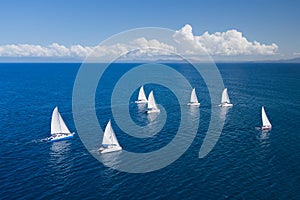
x=194 y=99
x=152 y=107
x=265 y=121
x=142 y=97
x=225 y=101
x=109 y=141
x=59 y=129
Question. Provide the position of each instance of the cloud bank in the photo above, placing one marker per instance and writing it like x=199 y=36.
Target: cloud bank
x=229 y=43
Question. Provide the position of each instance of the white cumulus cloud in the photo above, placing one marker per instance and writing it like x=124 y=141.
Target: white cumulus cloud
x=229 y=43
x=80 y=51
x=188 y=43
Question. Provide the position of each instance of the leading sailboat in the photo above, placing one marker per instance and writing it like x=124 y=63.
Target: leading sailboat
x=59 y=129
x=193 y=99
x=265 y=121
x=142 y=97
x=225 y=101
x=152 y=107
x=109 y=141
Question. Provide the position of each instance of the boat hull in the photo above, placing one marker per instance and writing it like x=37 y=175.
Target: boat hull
x=193 y=104
x=109 y=149
x=266 y=128
x=226 y=105
x=153 y=111
x=141 y=102
x=62 y=137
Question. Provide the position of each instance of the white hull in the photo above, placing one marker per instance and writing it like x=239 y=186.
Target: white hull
x=109 y=149
x=141 y=101
x=59 y=136
x=153 y=111
x=226 y=105
x=193 y=104
x=266 y=128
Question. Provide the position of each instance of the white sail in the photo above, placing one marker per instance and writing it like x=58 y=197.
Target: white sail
x=63 y=126
x=57 y=123
x=194 y=98
x=109 y=136
x=265 y=120
x=225 y=97
x=142 y=96
x=151 y=101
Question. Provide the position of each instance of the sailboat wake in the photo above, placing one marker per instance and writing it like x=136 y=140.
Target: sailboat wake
x=40 y=140
x=257 y=128
x=264 y=135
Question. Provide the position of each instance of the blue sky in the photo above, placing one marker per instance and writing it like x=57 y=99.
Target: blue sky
x=89 y=22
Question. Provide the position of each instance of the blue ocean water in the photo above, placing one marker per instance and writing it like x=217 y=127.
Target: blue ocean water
x=244 y=164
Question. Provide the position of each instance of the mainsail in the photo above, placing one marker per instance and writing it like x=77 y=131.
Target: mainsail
x=225 y=97
x=142 y=96
x=194 y=98
x=265 y=120
x=109 y=137
x=151 y=101
x=57 y=123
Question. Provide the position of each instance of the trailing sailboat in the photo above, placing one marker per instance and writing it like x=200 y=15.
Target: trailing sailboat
x=142 y=97
x=152 y=107
x=59 y=129
x=265 y=121
x=194 y=99
x=109 y=141
x=225 y=101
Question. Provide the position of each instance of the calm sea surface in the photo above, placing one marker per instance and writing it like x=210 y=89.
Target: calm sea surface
x=244 y=164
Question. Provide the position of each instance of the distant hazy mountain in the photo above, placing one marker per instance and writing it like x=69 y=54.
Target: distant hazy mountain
x=293 y=60
x=159 y=60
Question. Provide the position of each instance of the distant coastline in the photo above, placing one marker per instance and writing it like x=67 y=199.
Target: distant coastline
x=81 y=60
